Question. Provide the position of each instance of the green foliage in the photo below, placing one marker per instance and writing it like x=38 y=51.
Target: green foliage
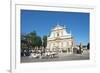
x=44 y=41
x=38 y=41
x=33 y=40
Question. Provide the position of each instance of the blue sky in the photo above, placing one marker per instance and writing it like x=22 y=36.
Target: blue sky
x=43 y=21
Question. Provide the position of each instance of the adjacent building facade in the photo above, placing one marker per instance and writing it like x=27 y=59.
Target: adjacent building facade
x=60 y=40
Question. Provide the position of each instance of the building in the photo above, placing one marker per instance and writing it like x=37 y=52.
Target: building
x=60 y=40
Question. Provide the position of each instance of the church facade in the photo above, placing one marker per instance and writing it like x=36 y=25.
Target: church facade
x=60 y=40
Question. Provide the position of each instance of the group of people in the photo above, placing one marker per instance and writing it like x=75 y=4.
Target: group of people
x=46 y=54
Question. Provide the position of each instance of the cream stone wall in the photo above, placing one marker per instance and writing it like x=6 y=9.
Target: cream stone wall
x=59 y=39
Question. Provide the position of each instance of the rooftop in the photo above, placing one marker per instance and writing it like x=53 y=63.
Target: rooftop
x=57 y=27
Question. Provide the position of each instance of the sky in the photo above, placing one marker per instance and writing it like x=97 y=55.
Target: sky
x=43 y=21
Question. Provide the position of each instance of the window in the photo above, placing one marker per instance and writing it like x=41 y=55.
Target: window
x=57 y=34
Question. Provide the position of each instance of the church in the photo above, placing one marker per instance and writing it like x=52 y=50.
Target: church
x=60 y=40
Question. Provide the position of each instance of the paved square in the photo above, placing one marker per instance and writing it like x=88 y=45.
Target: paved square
x=61 y=57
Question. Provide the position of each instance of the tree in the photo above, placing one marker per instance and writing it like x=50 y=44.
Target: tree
x=38 y=41
x=35 y=39
x=25 y=45
x=44 y=41
x=31 y=37
x=33 y=33
x=88 y=46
